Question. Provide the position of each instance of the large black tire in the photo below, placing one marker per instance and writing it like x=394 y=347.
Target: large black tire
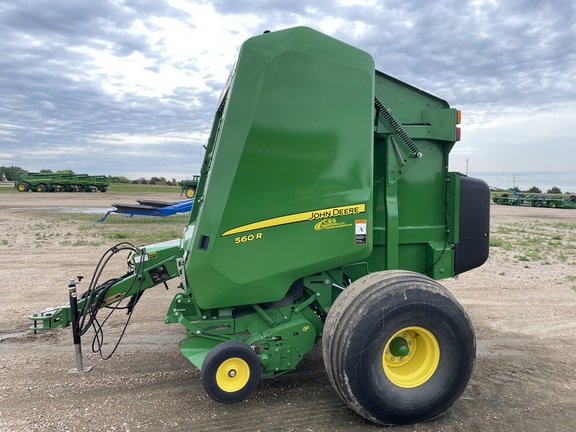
x=231 y=372
x=398 y=348
x=40 y=188
x=23 y=187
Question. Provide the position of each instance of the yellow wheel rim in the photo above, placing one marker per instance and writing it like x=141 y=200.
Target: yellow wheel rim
x=190 y=193
x=233 y=374
x=411 y=357
x=21 y=187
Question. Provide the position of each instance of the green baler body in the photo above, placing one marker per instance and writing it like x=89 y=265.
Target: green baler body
x=297 y=163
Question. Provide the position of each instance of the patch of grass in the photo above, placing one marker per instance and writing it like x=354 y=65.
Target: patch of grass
x=565 y=225
x=521 y=257
x=5 y=242
x=503 y=229
x=496 y=242
x=117 y=235
x=529 y=241
x=139 y=230
x=85 y=243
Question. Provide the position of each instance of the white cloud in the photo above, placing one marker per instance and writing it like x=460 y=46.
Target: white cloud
x=141 y=79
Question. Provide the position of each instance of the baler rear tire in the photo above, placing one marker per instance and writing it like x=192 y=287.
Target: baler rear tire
x=231 y=372
x=361 y=326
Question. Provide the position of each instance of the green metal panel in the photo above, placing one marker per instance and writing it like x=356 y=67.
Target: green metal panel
x=413 y=217
x=290 y=171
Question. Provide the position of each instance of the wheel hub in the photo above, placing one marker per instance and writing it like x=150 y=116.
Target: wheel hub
x=233 y=374
x=411 y=357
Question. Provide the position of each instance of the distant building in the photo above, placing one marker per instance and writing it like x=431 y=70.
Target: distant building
x=4 y=177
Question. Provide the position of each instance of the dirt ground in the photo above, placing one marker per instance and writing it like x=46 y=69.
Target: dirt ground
x=522 y=304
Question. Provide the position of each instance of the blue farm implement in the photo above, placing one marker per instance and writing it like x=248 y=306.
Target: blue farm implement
x=151 y=208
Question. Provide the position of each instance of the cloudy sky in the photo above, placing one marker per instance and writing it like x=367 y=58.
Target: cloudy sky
x=129 y=87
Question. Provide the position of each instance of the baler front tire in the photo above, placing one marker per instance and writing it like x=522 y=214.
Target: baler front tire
x=386 y=384
x=230 y=372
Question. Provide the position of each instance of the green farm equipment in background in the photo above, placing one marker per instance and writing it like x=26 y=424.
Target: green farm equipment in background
x=550 y=201
x=189 y=186
x=324 y=211
x=61 y=182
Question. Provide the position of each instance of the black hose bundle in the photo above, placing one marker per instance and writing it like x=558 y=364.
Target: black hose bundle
x=95 y=298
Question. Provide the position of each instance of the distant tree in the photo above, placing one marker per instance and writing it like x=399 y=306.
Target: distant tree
x=515 y=189
x=142 y=180
x=11 y=172
x=168 y=183
x=120 y=179
x=67 y=171
x=45 y=171
x=174 y=182
x=534 y=189
x=135 y=181
x=154 y=180
x=554 y=190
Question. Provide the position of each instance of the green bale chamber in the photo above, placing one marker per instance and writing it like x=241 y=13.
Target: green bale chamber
x=288 y=172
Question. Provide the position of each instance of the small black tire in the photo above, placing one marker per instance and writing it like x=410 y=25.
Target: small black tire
x=415 y=383
x=231 y=372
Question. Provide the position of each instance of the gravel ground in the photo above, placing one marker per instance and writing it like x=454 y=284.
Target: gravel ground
x=522 y=303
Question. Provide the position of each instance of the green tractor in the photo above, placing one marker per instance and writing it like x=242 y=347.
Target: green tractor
x=350 y=218
x=189 y=186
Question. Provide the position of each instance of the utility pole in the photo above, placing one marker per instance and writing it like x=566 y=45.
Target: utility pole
x=467 y=166
x=513 y=181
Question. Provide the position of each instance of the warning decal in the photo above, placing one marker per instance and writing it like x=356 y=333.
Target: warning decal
x=360 y=232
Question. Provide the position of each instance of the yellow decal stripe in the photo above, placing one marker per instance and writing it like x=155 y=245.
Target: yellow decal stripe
x=299 y=217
